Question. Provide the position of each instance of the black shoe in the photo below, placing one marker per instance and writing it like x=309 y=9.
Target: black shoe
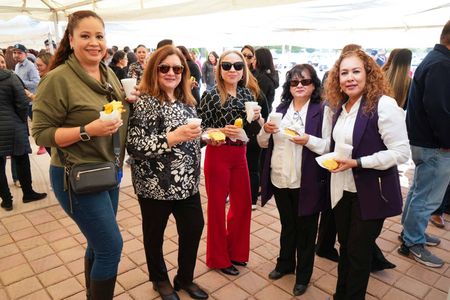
x=231 y=270
x=192 y=289
x=7 y=205
x=381 y=265
x=332 y=255
x=238 y=263
x=299 y=289
x=275 y=274
x=33 y=197
x=165 y=290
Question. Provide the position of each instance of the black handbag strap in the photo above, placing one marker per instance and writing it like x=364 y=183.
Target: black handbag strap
x=116 y=149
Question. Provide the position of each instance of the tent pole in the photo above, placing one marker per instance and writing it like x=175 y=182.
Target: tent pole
x=56 y=25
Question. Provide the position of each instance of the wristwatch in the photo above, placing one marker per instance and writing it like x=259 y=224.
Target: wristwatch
x=84 y=135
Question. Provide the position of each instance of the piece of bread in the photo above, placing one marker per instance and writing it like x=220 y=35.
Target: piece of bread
x=239 y=123
x=217 y=136
x=113 y=105
x=290 y=132
x=330 y=164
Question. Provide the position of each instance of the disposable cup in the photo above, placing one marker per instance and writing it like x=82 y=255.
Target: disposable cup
x=249 y=105
x=343 y=150
x=276 y=117
x=128 y=85
x=196 y=121
x=249 y=110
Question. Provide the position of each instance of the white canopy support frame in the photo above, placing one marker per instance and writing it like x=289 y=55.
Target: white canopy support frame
x=200 y=23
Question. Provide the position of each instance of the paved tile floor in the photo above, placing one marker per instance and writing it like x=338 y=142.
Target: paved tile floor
x=41 y=255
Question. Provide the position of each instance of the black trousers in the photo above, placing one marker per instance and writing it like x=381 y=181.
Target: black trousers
x=23 y=173
x=189 y=220
x=326 y=237
x=298 y=235
x=356 y=238
x=253 y=157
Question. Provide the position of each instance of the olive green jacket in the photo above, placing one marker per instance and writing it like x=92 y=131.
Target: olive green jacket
x=68 y=97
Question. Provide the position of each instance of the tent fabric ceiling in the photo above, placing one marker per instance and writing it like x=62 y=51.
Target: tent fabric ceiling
x=110 y=10
x=309 y=23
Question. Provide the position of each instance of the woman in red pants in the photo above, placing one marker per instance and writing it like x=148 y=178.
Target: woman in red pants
x=226 y=171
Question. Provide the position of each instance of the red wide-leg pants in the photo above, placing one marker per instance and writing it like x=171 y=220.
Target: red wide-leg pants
x=226 y=173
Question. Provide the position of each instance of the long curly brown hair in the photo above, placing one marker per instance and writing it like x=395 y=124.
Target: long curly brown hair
x=376 y=84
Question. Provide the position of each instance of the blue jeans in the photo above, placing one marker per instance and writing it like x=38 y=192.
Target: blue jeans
x=95 y=215
x=431 y=178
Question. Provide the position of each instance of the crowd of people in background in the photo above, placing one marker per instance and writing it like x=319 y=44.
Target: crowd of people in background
x=267 y=149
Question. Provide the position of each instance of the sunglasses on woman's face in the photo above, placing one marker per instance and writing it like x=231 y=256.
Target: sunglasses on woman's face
x=164 y=68
x=304 y=82
x=226 y=66
x=247 y=56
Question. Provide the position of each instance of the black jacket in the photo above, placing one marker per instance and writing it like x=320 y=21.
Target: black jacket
x=428 y=114
x=268 y=83
x=195 y=72
x=13 y=116
x=120 y=72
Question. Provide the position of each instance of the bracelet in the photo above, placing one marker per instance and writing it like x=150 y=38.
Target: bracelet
x=358 y=163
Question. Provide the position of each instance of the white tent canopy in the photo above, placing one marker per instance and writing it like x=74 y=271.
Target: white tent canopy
x=211 y=23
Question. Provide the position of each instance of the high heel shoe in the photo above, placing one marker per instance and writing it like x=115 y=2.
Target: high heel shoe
x=231 y=270
x=165 y=290
x=192 y=289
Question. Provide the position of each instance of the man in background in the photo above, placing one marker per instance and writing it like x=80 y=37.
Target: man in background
x=428 y=123
x=26 y=71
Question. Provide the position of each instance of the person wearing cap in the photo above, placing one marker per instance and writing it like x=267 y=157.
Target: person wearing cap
x=26 y=70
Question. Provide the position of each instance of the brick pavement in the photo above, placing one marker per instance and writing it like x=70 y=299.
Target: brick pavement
x=41 y=256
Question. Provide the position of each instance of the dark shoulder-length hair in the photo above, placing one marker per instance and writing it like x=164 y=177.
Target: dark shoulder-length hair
x=64 y=50
x=118 y=56
x=296 y=72
x=264 y=60
x=375 y=87
x=185 y=53
x=252 y=50
x=150 y=85
x=215 y=55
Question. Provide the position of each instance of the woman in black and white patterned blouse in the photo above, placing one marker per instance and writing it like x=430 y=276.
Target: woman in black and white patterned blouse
x=226 y=171
x=166 y=172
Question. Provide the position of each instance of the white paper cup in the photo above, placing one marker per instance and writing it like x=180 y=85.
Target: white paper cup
x=276 y=117
x=196 y=121
x=128 y=85
x=249 y=105
x=249 y=110
x=343 y=150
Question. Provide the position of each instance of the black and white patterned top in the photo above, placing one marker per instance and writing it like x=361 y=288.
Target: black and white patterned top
x=216 y=115
x=135 y=70
x=159 y=171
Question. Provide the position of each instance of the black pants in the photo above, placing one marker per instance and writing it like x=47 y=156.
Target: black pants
x=189 y=219
x=326 y=237
x=356 y=238
x=253 y=154
x=298 y=235
x=23 y=173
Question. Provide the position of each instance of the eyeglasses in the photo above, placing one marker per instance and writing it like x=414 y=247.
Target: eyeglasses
x=226 y=66
x=163 y=68
x=304 y=82
x=247 y=56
